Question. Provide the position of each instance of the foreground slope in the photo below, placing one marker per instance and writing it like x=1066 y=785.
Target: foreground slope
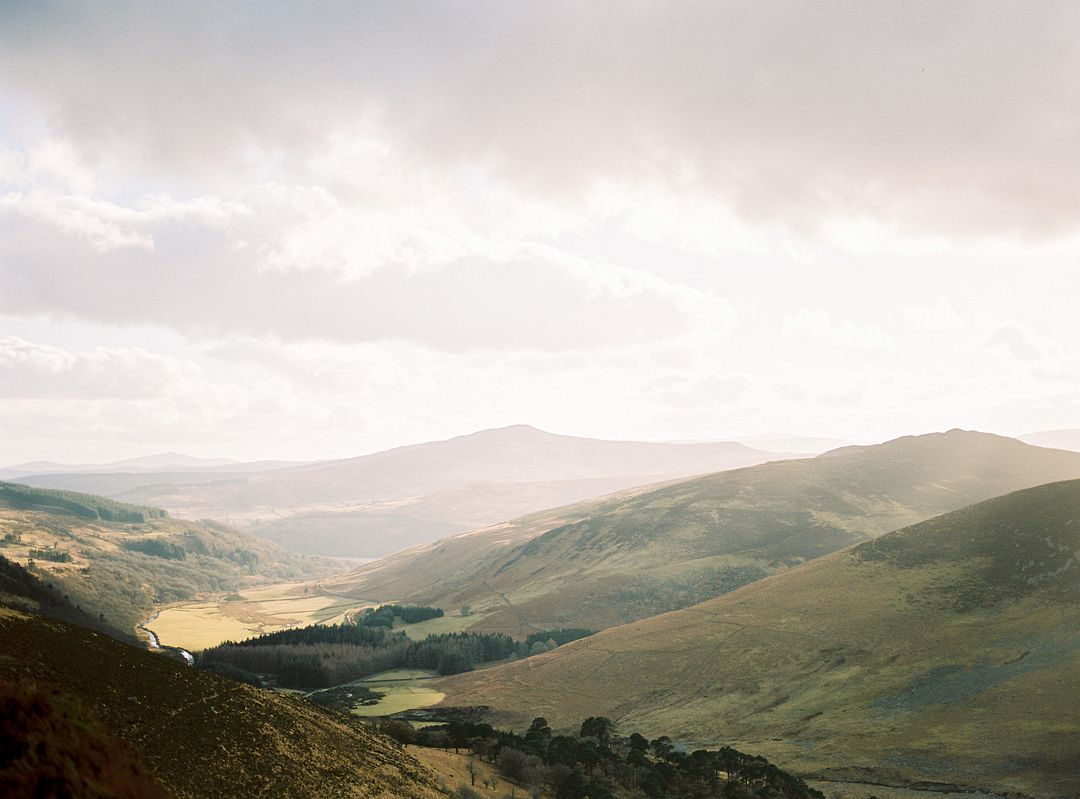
x=630 y=556
x=201 y=735
x=379 y=503
x=944 y=652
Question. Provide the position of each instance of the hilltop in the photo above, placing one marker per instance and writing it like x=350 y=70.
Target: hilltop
x=628 y=556
x=117 y=560
x=944 y=652
x=376 y=504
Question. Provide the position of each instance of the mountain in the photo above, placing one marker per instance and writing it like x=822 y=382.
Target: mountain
x=633 y=555
x=786 y=442
x=944 y=652
x=377 y=504
x=197 y=734
x=149 y=464
x=117 y=560
x=1057 y=439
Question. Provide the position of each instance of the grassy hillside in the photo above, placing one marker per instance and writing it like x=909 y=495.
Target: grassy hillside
x=118 y=560
x=201 y=735
x=85 y=506
x=944 y=652
x=630 y=556
x=377 y=504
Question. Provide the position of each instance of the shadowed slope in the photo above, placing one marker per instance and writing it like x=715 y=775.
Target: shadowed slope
x=633 y=555
x=202 y=735
x=945 y=652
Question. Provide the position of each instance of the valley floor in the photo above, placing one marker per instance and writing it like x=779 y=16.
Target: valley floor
x=862 y=790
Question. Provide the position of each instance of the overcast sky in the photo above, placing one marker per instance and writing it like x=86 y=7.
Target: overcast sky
x=313 y=230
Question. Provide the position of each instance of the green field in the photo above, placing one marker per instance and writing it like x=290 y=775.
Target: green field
x=402 y=689
x=445 y=624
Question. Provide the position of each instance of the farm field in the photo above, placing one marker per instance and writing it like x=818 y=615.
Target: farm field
x=446 y=624
x=199 y=625
x=402 y=689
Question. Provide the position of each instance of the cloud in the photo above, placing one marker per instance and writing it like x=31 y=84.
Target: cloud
x=29 y=370
x=817 y=327
x=198 y=279
x=904 y=113
x=939 y=315
x=1025 y=344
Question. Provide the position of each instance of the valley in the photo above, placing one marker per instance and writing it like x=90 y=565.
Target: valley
x=126 y=561
x=539 y=400
x=654 y=549
x=844 y=650
x=373 y=505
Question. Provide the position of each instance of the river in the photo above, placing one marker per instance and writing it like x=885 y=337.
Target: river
x=155 y=642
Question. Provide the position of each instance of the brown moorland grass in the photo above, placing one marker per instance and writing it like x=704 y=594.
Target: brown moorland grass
x=636 y=554
x=942 y=653
x=202 y=735
x=102 y=568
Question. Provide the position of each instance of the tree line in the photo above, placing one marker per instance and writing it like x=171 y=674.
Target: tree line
x=598 y=763
x=86 y=506
x=321 y=656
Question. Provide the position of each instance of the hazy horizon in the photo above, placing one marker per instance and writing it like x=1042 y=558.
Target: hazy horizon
x=272 y=231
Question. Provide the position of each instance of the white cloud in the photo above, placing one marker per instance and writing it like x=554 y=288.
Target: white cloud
x=36 y=370
x=393 y=222
x=810 y=327
x=1025 y=344
x=938 y=315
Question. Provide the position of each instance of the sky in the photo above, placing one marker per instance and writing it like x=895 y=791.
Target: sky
x=292 y=230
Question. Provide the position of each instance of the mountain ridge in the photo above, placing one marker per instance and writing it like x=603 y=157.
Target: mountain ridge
x=629 y=555
x=374 y=504
x=943 y=651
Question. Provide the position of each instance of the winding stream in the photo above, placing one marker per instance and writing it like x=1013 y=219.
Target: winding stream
x=155 y=642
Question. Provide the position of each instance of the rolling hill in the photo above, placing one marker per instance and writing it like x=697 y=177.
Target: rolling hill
x=117 y=560
x=377 y=504
x=198 y=734
x=633 y=555
x=945 y=652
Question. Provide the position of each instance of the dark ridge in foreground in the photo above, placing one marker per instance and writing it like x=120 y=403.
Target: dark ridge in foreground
x=51 y=746
x=202 y=735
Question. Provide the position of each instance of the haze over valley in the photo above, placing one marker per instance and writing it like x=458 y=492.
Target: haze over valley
x=561 y=400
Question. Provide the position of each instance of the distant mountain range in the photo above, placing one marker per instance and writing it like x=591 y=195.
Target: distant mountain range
x=1057 y=439
x=947 y=648
x=786 y=442
x=161 y=462
x=376 y=504
x=632 y=555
